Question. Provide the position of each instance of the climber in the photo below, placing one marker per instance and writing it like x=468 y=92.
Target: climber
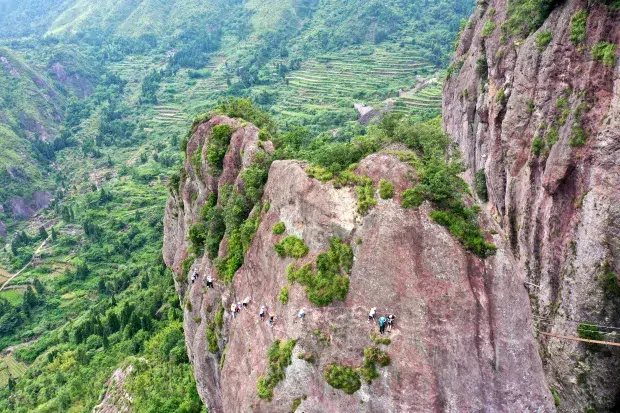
x=390 y=321
x=272 y=320
x=301 y=315
x=194 y=276
x=209 y=281
x=382 y=323
x=371 y=315
x=263 y=308
x=246 y=301
x=234 y=309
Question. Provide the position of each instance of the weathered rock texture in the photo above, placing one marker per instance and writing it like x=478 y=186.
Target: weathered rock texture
x=462 y=342
x=560 y=210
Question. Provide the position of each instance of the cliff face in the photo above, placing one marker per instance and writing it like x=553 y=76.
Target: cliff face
x=555 y=195
x=462 y=339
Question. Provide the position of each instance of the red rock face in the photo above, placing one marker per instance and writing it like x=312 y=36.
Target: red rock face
x=462 y=341
x=559 y=209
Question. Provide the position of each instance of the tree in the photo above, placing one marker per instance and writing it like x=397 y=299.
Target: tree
x=43 y=233
x=38 y=286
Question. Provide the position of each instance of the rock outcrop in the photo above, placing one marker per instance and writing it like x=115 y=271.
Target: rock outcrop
x=553 y=190
x=23 y=208
x=462 y=340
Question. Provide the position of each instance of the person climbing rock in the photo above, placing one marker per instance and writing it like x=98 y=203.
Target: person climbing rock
x=301 y=315
x=390 y=321
x=246 y=301
x=272 y=320
x=382 y=323
x=194 y=276
x=209 y=281
x=371 y=314
x=263 y=308
x=234 y=309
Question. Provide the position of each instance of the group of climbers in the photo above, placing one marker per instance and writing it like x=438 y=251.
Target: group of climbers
x=384 y=321
x=209 y=280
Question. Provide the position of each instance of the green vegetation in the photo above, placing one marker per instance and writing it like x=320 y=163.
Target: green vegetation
x=279 y=228
x=556 y=397
x=578 y=27
x=292 y=246
x=283 y=296
x=386 y=189
x=365 y=198
x=296 y=403
x=589 y=332
x=217 y=146
x=372 y=357
x=329 y=282
x=279 y=356
x=610 y=284
x=488 y=28
x=543 y=39
x=343 y=378
x=480 y=183
x=605 y=53
x=537 y=146
x=578 y=137
x=526 y=16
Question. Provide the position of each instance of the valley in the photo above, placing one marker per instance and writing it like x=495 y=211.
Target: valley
x=322 y=158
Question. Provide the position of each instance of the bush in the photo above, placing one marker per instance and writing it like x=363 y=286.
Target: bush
x=279 y=356
x=578 y=27
x=320 y=173
x=543 y=39
x=480 y=179
x=526 y=16
x=279 y=228
x=343 y=378
x=482 y=68
x=217 y=146
x=291 y=246
x=537 y=146
x=578 y=137
x=464 y=228
x=610 y=285
x=605 y=53
x=365 y=198
x=589 y=332
x=329 y=282
x=412 y=198
x=283 y=296
x=488 y=28
x=386 y=189
x=212 y=339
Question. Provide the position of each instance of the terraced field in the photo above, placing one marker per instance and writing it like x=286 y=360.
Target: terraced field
x=357 y=76
x=9 y=367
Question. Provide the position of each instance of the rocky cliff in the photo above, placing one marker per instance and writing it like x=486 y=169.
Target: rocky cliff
x=537 y=113
x=462 y=340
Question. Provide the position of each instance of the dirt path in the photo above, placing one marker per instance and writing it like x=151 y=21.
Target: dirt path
x=25 y=266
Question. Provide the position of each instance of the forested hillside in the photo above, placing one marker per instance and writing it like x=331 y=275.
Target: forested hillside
x=96 y=100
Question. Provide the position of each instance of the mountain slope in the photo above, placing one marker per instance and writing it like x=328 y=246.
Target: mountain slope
x=543 y=129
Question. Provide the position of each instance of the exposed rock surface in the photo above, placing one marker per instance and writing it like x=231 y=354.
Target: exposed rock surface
x=22 y=208
x=116 y=398
x=462 y=342
x=560 y=210
x=2 y=229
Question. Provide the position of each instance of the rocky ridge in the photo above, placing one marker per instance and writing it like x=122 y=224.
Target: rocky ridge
x=543 y=128
x=463 y=338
